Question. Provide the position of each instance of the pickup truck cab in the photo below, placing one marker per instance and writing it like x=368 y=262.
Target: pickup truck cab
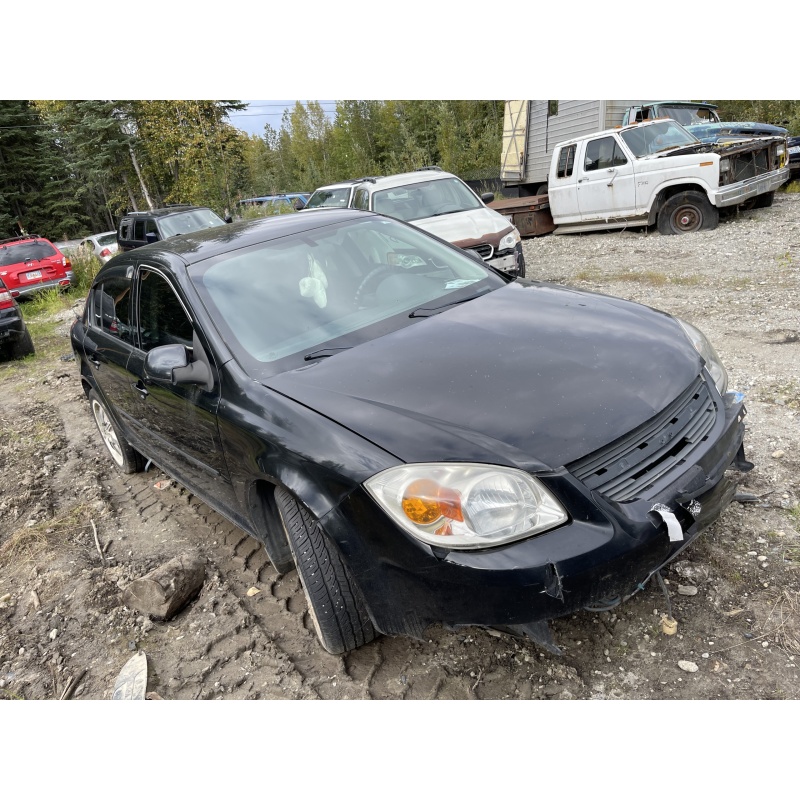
x=658 y=173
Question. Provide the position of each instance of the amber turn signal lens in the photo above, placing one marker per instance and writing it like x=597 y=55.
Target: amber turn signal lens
x=425 y=501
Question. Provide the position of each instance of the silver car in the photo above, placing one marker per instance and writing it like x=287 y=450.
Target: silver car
x=103 y=245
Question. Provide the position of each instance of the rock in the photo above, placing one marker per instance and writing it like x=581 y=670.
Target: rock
x=691 y=572
x=778 y=454
x=688 y=591
x=53 y=634
x=688 y=666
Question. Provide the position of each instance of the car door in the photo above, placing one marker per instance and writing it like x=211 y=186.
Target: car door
x=176 y=424
x=108 y=342
x=606 y=182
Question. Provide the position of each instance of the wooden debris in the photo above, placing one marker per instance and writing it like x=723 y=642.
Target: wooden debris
x=162 y=593
x=72 y=685
x=97 y=543
x=37 y=603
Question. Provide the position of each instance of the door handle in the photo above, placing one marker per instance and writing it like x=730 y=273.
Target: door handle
x=139 y=386
x=94 y=361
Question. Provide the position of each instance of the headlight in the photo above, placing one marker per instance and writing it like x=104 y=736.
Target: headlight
x=510 y=240
x=724 y=165
x=718 y=373
x=465 y=506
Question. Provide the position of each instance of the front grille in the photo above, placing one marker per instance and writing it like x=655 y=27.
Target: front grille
x=628 y=467
x=485 y=251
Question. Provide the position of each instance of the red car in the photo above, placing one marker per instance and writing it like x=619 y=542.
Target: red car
x=31 y=263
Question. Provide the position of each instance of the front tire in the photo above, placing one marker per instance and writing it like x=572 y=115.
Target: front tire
x=687 y=212
x=125 y=458
x=23 y=346
x=764 y=200
x=334 y=602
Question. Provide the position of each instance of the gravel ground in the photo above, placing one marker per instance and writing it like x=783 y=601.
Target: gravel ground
x=63 y=625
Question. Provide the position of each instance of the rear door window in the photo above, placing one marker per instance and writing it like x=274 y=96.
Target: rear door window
x=111 y=308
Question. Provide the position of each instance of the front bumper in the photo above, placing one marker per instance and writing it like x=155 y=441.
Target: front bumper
x=508 y=261
x=604 y=554
x=744 y=190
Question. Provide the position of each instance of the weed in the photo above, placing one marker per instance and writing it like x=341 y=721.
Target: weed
x=25 y=543
x=792 y=188
x=589 y=275
x=84 y=267
x=44 y=304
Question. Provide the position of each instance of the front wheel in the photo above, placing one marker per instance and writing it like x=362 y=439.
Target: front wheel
x=334 y=602
x=764 y=200
x=125 y=458
x=23 y=346
x=687 y=212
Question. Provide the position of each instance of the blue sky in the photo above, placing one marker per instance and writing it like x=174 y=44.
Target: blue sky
x=268 y=112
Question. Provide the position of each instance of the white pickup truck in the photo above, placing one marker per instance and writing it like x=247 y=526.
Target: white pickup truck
x=658 y=173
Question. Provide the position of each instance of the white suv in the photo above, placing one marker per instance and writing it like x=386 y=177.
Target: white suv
x=437 y=202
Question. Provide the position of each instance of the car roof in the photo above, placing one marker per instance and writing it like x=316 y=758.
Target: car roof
x=210 y=242
x=390 y=181
x=163 y=212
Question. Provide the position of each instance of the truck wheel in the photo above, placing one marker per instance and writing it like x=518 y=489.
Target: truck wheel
x=764 y=200
x=542 y=189
x=334 y=603
x=687 y=212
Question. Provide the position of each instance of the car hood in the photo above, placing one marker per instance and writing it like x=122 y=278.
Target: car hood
x=531 y=375
x=466 y=228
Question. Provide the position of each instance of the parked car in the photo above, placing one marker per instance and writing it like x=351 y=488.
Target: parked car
x=437 y=202
x=138 y=228
x=794 y=156
x=278 y=204
x=15 y=339
x=101 y=245
x=32 y=263
x=734 y=131
x=425 y=439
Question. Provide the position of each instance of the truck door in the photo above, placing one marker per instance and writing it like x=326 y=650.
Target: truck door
x=562 y=186
x=606 y=183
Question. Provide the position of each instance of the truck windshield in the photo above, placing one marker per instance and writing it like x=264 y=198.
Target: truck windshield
x=645 y=140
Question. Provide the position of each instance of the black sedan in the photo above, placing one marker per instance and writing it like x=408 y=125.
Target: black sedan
x=425 y=439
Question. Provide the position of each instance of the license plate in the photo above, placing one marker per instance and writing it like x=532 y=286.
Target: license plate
x=32 y=276
x=795 y=149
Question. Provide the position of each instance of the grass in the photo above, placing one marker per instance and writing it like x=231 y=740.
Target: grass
x=25 y=543
x=792 y=188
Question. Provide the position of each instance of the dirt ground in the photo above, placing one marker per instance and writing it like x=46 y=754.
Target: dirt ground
x=734 y=593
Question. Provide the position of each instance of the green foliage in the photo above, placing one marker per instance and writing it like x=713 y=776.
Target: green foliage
x=774 y=112
x=84 y=267
x=72 y=167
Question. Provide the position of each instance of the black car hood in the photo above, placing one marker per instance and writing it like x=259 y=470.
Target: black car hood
x=532 y=375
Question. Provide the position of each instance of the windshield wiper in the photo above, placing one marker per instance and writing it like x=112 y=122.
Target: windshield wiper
x=325 y=352
x=429 y=311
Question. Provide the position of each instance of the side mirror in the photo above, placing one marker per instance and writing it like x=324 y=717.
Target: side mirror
x=151 y=237
x=229 y=219
x=161 y=361
x=170 y=363
x=487 y=197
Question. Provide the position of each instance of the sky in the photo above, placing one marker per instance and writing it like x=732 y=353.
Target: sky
x=262 y=112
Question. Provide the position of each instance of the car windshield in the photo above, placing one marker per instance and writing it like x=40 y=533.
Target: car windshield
x=428 y=199
x=329 y=198
x=30 y=251
x=645 y=140
x=295 y=294
x=687 y=115
x=106 y=239
x=189 y=221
